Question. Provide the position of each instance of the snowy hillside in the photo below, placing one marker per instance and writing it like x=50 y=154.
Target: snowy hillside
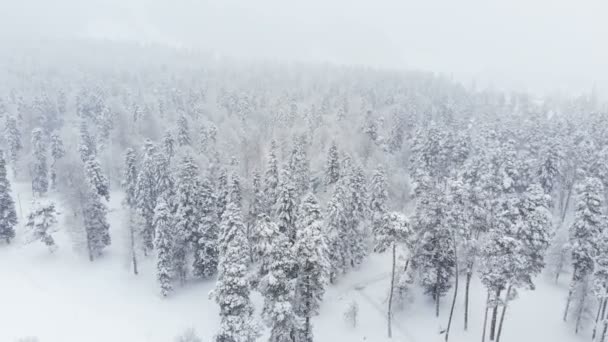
x=62 y=297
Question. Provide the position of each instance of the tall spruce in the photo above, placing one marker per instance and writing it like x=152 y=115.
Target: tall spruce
x=8 y=215
x=40 y=179
x=163 y=243
x=313 y=267
x=237 y=323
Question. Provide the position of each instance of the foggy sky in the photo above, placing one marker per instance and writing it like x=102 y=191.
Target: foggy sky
x=534 y=45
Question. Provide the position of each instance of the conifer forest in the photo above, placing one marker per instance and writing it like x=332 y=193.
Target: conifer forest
x=151 y=193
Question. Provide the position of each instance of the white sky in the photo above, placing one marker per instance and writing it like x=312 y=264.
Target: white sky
x=538 y=45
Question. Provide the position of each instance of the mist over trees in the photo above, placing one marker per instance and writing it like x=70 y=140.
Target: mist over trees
x=282 y=178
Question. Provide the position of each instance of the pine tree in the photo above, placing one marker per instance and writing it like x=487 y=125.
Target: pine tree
x=57 y=152
x=276 y=287
x=87 y=145
x=130 y=178
x=95 y=223
x=232 y=289
x=313 y=266
x=187 y=214
x=168 y=144
x=271 y=178
x=236 y=196
x=332 y=165
x=96 y=178
x=531 y=239
x=13 y=140
x=8 y=215
x=206 y=239
x=549 y=171
x=395 y=229
x=146 y=192
x=600 y=286
x=41 y=221
x=130 y=201
x=183 y=131
x=435 y=255
x=358 y=199
x=266 y=232
x=286 y=206
x=299 y=166
x=337 y=234
x=163 y=242
x=222 y=192
x=40 y=181
x=256 y=208
x=589 y=221
x=378 y=198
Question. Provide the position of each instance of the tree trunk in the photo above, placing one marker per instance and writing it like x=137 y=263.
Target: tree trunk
x=390 y=297
x=579 y=313
x=133 y=254
x=565 y=207
x=502 y=315
x=485 y=318
x=568 y=300
x=604 y=331
x=447 y=331
x=466 y=300
x=494 y=317
x=597 y=318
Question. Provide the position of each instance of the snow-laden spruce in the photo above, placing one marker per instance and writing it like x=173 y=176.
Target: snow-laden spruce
x=8 y=215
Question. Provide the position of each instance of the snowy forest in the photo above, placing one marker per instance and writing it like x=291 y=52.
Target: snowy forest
x=273 y=185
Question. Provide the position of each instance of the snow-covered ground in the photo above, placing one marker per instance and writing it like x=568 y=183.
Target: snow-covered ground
x=62 y=297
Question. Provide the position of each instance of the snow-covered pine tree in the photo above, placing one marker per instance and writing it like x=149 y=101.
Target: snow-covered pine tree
x=237 y=323
x=163 y=243
x=87 y=145
x=235 y=192
x=187 y=215
x=332 y=165
x=588 y=223
x=129 y=184
x=378 y=199
x=95 y=223
x=313 y=266
x=13 y=141
x=57 y=152
x=276 y=287
x=299 y=166
x=531 y=234
x=183 y=131
x=146 y=194
x=359 y=232
x=222 y=192
x=40 y=179
x=338 y=231
x=130 y=178
x=41 y=221
x=286 y=206
x=168 y=143
x=206 y=239
x=266 y=233
x=256 y=208
x=434 y=256
x=549 y=171
x=96 y=178
x=8 y=215
x=395 y=230
x=271 y=178
x=600 y=287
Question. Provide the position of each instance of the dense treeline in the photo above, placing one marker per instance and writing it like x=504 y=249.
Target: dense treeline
x=281 y=178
